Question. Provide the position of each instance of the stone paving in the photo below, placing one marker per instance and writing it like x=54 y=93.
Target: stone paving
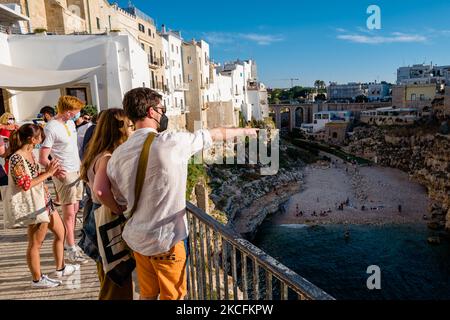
x=15 y=277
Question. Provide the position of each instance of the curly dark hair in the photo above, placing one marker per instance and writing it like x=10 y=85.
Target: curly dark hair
x=137 y=101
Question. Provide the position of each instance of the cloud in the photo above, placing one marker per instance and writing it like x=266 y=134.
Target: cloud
x=395 y=37
x=261 y=39
x=217 y=38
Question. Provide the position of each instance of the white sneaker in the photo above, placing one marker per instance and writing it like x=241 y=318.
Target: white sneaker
x=76 y=257
x=45 y=282
x=67 y=247
x=68 y=270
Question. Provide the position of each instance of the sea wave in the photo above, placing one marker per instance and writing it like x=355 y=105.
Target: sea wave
x=294 y=226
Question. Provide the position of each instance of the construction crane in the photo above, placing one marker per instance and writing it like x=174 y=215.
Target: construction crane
x=291 y=80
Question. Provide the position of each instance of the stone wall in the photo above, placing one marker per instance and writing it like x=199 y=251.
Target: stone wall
x=425 y=155
x=220 y=114
x=177 y=122
x=36 y=10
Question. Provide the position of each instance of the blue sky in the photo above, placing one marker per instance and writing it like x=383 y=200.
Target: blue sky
x=310 y=40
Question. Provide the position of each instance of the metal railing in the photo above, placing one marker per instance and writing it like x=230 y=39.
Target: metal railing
x=154 y=62
x=11 y=30
x=224 y=266
x=181 y=87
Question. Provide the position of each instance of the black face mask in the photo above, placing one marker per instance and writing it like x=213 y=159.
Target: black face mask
x=163 y=122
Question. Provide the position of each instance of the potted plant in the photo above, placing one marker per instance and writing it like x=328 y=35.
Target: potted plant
x=40 y=31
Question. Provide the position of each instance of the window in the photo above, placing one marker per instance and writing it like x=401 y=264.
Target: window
x=80 y=93
x=189 y=60
x=150 y=32
x=176 y=103
x=109 y=20
x=413 y=97
x=143 y=46
x=98 y=23
x=141 y=28
x=180 y=78
x=189 y=77
x=172 y=47
x=153 y=80
x=422 y=97
x=174 y=81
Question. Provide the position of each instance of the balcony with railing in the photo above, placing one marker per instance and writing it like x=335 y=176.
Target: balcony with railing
x=161 y=87
x=181 y=87
x=154 y=62
x=11 y=30
x=224 y=266
x=252 y=85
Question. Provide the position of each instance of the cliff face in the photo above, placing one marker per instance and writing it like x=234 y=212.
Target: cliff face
x=246 y=197
x=424 y=155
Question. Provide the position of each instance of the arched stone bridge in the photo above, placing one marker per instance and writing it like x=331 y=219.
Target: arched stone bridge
x=290 y=116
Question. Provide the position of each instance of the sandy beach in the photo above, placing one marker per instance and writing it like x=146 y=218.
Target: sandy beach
x=380 y=190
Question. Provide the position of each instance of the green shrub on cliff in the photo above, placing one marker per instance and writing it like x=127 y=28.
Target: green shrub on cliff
x=196 y=172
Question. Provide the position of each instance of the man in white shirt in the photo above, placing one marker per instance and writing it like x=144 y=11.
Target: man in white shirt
x=158 y=228
x=61 y=143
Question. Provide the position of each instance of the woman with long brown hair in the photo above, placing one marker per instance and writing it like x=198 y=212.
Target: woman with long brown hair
x=28 y=202
x=113 y=128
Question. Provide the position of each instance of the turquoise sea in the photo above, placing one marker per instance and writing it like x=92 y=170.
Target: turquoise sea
x=410 y=267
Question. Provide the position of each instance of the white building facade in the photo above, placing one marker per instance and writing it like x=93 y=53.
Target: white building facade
x=174 y=79
x=113 y=66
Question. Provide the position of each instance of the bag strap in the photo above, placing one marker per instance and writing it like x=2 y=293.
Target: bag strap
x=142 y=168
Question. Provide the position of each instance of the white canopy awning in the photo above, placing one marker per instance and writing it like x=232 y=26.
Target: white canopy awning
x=26 y=79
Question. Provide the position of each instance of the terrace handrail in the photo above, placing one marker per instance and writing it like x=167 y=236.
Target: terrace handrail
x=288 y=278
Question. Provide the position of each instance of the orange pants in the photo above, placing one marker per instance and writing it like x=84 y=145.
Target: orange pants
x=163 y=274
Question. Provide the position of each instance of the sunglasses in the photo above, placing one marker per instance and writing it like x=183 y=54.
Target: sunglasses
x=12 y=119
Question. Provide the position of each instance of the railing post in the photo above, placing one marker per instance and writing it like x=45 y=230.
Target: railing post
x=197 y=263
x=210 y=263
x=225 y=269
x=283 y=290
x=202 y=266
x=255 y=280
x=216 y=264
x=234 y=273
x=244 y=275
x=268 y=285
x=192 y=263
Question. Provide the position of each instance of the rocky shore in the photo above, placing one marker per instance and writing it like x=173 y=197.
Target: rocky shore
x=247 y=198
x=423 y=154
